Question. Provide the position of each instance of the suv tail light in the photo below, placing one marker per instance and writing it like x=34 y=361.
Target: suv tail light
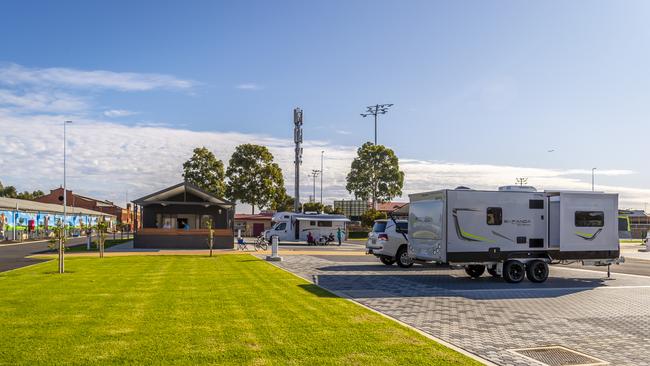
x=382 y=236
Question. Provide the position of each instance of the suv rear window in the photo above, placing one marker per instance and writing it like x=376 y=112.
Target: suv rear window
x=379 y=227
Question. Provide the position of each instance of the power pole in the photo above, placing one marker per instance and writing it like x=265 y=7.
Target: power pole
x=593 y=175
x=297 y=138
x=314 y=174
x=375 y=110
x=521 y=181
x=321 y=177
x=64 y=230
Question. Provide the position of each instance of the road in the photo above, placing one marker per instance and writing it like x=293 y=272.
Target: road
x=13 y=255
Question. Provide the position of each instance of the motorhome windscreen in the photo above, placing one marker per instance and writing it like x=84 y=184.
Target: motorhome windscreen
x=589 y=219
x=379 y=227
x=425 y=219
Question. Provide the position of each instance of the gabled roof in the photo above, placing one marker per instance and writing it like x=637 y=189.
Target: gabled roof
x=162 y=196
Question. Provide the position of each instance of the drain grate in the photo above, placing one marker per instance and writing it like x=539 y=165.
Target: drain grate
x=558 y=356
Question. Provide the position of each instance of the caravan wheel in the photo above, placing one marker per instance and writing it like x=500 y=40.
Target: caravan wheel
x=537 y=271
x=475 y=270
x=513 y=271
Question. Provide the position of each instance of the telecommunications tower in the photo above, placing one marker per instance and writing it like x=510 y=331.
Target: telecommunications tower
x=297 y=138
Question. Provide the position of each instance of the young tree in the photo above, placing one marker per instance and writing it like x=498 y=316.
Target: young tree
x=208 y=225
x=253 y=177
x=102 y=229
x=205 y=171
x=375 y=174
x=328 y=209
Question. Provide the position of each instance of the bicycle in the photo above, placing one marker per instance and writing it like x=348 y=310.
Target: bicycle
x=261 y=243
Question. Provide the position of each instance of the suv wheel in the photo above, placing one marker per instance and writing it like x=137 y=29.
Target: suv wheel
x=403 y=259
x=387 y=260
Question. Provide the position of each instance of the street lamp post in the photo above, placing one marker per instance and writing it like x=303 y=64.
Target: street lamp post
x=375 y=110
x=593 y=174
x=65 y=202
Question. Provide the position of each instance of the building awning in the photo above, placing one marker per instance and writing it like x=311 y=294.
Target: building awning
x=12 y=204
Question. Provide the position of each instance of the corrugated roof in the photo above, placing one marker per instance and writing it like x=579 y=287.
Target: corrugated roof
x=33 y=206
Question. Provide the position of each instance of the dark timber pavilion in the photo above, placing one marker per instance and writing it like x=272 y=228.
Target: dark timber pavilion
x=177 y=218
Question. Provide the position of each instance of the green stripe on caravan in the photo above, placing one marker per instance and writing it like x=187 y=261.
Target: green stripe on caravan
x=476 y=237
x=587 y=235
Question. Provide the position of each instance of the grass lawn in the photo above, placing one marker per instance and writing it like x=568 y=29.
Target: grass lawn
x=228 y=309
x=93 y=246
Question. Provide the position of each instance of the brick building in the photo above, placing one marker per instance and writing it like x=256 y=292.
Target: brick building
x=123 y=215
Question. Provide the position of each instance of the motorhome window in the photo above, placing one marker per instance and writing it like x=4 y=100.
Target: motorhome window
x=379 y=227
x=281 y=226
x=312 y=223
x=536 y=204
x=324 y=224
x=494 y=216
x=402 y=228
x=590 y=219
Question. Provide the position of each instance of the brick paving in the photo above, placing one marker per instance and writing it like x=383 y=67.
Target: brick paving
x=581 y=310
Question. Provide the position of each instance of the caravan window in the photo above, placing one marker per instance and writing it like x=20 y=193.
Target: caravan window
x=312 y=223
x=590 y=219
x=324 y=224
x=494 y=216
x=281 y=226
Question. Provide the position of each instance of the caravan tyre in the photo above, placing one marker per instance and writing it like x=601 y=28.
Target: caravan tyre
x=513 y=271
x=475 y=270
x=387 y=260
x=403 y=259
x=537 y=271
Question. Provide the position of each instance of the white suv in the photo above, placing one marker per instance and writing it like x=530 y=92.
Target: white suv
x=388 y=242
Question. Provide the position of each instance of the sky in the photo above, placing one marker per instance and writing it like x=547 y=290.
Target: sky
x=483 y=91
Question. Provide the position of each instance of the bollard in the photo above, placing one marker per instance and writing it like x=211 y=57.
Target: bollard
x=274 y=257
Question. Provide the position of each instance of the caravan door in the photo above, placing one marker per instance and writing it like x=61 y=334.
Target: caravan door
x=588 y=222
x=425 y=231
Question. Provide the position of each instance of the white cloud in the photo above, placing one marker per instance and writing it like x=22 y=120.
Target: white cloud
x=118 y=113
x=52 y=101
x=13 y=74
x=248 y=86
x=343 y=132
x=107 y=159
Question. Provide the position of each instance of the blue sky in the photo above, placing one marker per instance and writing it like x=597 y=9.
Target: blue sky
x=481 y=87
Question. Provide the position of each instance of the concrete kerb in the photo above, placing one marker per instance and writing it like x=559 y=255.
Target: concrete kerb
x=425 y=334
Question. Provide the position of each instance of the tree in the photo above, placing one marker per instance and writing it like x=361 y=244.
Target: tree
x=253 y=177
x=205 y=171
x=375 y=174
x=9 y=192
x=368 y=218
x=282 y=202
x=328 y=209
x=312 y=206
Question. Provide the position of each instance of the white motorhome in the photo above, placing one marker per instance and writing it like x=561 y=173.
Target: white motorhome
x=291 y=226
x=513 y=232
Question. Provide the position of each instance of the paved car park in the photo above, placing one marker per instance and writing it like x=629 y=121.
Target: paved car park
x=582 y=310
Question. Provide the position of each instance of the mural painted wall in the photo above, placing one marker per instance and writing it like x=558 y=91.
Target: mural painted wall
x=40 y=221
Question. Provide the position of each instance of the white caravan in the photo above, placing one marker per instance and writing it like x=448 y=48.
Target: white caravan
x=513 y=232
x=291 y=226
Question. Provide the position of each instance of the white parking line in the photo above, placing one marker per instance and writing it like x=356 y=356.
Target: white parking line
x=582 y=288
x=594 y=271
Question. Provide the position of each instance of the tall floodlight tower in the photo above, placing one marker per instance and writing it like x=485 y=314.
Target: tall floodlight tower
x=297 y=138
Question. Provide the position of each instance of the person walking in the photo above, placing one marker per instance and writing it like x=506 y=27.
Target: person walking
x=339 y=235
